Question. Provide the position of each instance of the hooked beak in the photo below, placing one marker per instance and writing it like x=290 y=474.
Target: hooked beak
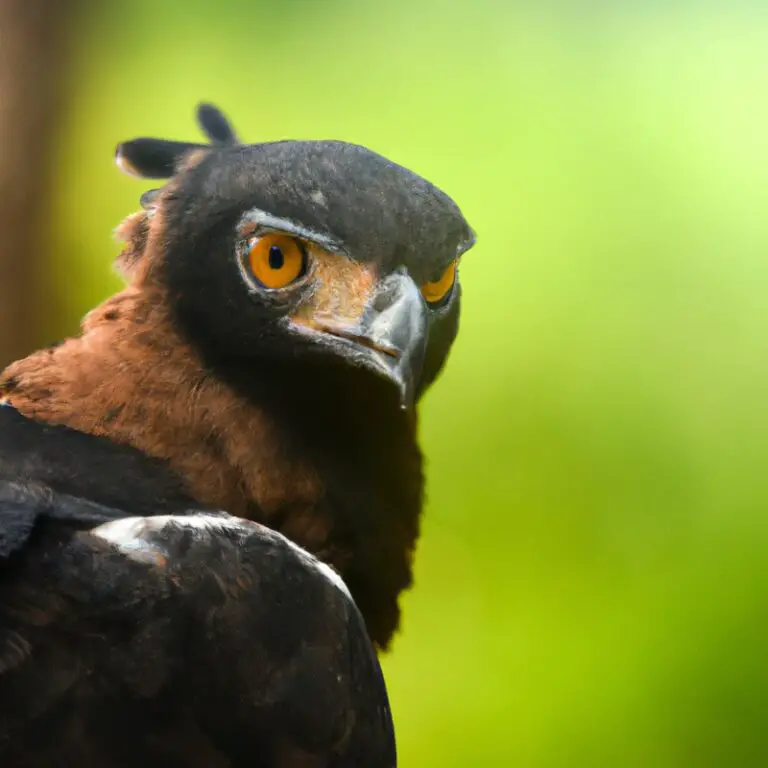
x=389 y=338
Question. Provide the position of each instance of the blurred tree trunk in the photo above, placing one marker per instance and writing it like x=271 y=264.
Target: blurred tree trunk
x=33 y=55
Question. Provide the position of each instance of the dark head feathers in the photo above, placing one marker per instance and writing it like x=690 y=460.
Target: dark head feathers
x=160 y=158
x=359 y=201
x=215 y=125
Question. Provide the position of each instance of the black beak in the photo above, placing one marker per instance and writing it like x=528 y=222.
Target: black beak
x=390 y=338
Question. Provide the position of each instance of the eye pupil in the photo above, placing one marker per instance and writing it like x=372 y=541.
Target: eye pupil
x=276 y=257
x=276 y=260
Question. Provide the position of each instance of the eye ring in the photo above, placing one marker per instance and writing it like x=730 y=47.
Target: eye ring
x=438 y=291
x=275 y=260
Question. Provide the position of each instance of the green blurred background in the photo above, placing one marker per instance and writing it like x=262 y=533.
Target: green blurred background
x=592 y=581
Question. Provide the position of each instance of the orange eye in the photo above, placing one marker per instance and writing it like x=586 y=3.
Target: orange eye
x=434 y=292
x=276 y=260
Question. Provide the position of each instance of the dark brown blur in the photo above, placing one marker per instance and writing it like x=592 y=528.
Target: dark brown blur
x=33 y=64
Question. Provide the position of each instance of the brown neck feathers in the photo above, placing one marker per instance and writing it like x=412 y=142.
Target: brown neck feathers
x=131 y=378
x=341 y=478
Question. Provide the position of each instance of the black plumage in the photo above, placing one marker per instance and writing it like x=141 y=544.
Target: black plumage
x=287 y=306
x=137 y=629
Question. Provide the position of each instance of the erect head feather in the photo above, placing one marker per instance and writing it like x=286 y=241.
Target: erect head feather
x=150 y=158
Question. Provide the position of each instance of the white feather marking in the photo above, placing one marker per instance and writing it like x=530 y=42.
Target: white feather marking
x=319 y=198
x=131 y=536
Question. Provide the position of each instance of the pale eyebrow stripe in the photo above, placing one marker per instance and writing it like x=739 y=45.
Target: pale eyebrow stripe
x=269 y=221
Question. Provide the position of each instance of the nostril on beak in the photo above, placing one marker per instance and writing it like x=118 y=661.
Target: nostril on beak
x=388 y=291
x=384 y=297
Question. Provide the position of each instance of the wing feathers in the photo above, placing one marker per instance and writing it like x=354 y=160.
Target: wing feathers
x=217 y=622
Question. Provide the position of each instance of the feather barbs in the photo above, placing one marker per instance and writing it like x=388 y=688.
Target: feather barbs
x=149 y=158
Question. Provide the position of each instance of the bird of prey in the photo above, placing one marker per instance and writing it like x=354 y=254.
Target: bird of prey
x=185 y=484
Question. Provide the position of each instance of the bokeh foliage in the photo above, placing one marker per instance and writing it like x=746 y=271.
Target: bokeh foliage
x=592 y=582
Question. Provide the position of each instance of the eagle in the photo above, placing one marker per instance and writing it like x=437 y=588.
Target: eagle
x=210 y=498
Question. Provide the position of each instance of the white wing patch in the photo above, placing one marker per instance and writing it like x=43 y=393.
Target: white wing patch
x=137 y=538
x=129 y=535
